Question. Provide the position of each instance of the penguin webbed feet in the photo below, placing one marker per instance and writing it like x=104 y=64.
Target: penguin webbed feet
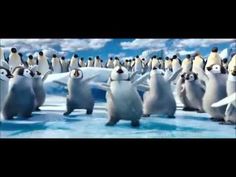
x=146 y=115
x=189 y=109
x=216 y=119
x=89 y=111
x=227 y=123
x=135 y=123
x=171 y=116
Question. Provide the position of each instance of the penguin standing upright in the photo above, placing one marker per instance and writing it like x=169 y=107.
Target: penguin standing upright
x=168 y=68
x=31 y=60
x=64 y=65
x=20 y=98
x=198 y=62
x=97 y=62
x=110 y=63
x=176 y=63
x=155 y=62
x=5 y=75
x=3 y=62
x=137 y=65
x=90 y=62
x=116 y=62
x=187 y=64
x=161 y=63
x=144 y=66
x=225 y=63
x=56 y=65
x=81 y=62
x=43 y=66
x=14 y=59
x=214 y=58
x=149 y=64
x=74 y=62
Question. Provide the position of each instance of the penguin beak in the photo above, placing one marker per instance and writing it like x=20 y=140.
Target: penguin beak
x=10 y=76
x=32 y=74
x=76 y=73
x=154 y=68
x=208 y=68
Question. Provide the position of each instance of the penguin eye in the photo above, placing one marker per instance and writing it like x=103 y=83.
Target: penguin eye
x=2 y=72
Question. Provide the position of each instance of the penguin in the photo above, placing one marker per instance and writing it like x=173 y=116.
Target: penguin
x=176 y=63
x=159 y=98
x=215 y=82
x=155 y=62
x=14 y=59
x=161 y=63
x=31 y=60
x=214 y=58
x=126 y=64
x=56 y=65
x=43 y=65
x=232 y=63
x=64 y=65
x=132 y=63
x=150 y=64
x=129 y=65
x=198 y=62
x=20 y=98
x=144 y=66
x=102 y=64
x=116 y=62
x=123 y=99
x=168 y=68
x=97 y=62
x=79 y=93
x=81 y=62
x=5 y=75
x=225 y=63
x=3 y=62
x=181 y=93
x=187 y=64
x=110 y=63
x=90 y=62
x=137 y=65
x=194 y=91
x=74 y=62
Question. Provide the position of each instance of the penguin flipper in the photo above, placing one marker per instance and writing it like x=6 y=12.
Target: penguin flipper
x=46 y=75
x=102 y=86
x=229 y=109
x=132 y=75
x=141 y=79
x=143 y=87
x=175 y=75
x=229 y=99
x=60 y=83
x=90 y=78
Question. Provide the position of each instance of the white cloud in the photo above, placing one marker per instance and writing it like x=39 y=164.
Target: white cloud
x=199 y=42
x=119 y=55
x=147 y=54
x=144 y=43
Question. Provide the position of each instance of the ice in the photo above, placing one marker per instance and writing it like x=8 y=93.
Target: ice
x=50 y=122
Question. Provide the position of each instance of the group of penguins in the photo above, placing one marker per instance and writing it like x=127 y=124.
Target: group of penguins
x=199 y=84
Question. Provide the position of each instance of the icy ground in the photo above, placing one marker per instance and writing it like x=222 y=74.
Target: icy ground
x=79 y=125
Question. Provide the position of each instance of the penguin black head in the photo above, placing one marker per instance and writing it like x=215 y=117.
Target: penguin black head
x=119 y=73
x=21 y=71
x=154 y=56
x=75 y=56
x=13 y=50
x=116 y=58
x=214 y=49
x=216 y=69
x=76 y=74
x=111 y=58
x=225 y=60
x=31 y=57
x=101 y=61
x=90 y=59
x=143 y=59
x=133 y=59
x=188 y=56
x=167 y=58
x=159 y=58
x=97 y=57
x=54 y=56
x=5 y=74
x=126 y=60
x=81 y=58
x=174 y=57
x=40 y=53
x=63 y=58
x=191 y=76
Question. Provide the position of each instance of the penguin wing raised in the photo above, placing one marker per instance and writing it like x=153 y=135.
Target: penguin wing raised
x=60 y=83
x=229 y=99
x=102 y=86
x=90 y=78
x=141 y=79
x=175 y=75
x=143 y=87
x=46 y=75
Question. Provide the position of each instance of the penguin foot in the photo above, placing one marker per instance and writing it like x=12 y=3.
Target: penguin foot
x=37 y=109
x=216 y=120
x=171 y=117
x=89 y=111
x=135 y=123
x=188 y=109
x=200 y=111
x=110 y=123
x=227 y=123
x=146 y=115
x=66 y=113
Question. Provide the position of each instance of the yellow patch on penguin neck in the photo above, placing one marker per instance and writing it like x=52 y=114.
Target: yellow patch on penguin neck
x=214 y=58
x=232 y=63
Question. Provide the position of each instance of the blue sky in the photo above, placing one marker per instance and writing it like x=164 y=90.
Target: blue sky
x=123 y=48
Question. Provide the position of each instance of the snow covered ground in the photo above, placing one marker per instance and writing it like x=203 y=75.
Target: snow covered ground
x=50 y=122
x=79 y=125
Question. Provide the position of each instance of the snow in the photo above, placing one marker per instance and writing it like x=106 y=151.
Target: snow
x=50 y=122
